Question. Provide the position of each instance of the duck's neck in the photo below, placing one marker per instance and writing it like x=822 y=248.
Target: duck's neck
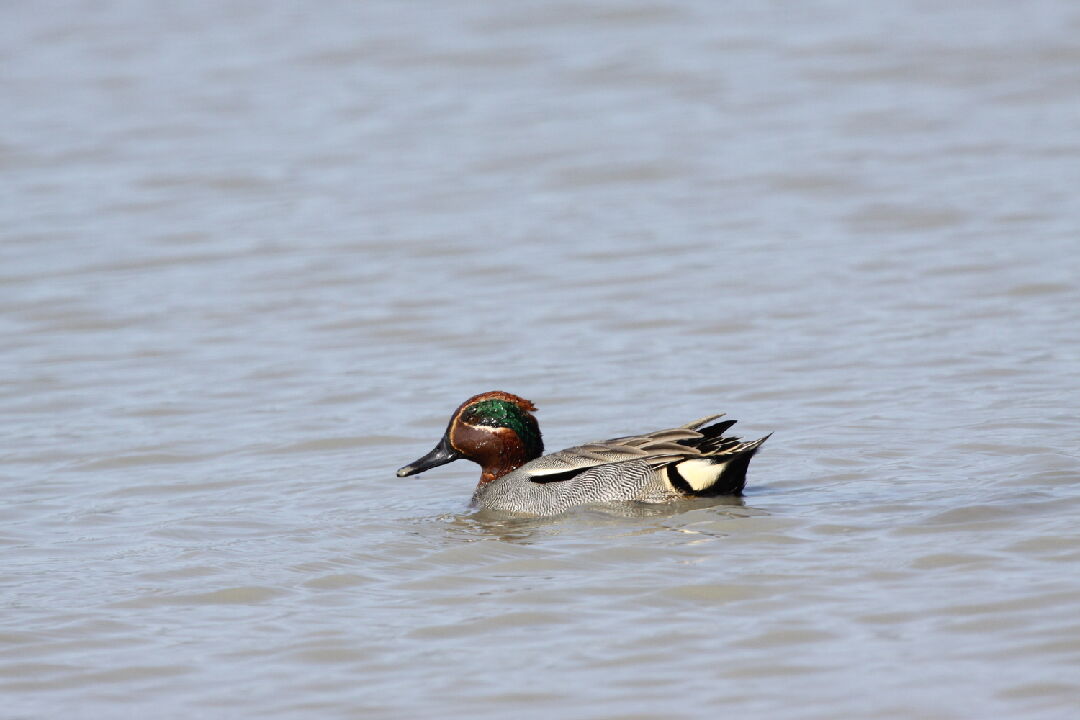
x=498 y=451
x=494 y=471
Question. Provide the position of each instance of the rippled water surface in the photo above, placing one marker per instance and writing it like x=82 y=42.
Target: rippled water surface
x=253 y=254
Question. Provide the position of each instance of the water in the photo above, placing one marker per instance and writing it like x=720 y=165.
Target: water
x=253 y=254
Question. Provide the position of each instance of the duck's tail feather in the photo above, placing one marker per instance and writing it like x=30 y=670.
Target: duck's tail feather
x=722 y=473
x=701 y=421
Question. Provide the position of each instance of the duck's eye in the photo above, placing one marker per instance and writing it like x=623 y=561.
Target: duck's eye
x=486 y=415
x=473 y=416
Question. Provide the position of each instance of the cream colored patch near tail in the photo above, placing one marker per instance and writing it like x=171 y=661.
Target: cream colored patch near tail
x=700 y=474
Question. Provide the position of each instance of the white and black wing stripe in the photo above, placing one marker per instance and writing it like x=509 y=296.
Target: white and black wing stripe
x=658 y=449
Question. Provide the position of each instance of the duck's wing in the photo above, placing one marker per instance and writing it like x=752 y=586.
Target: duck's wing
x=656 y=448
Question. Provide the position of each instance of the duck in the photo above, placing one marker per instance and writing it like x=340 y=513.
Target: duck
x=498 y=431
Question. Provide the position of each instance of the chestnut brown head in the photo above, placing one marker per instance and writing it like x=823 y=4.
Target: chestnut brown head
x=495 y=429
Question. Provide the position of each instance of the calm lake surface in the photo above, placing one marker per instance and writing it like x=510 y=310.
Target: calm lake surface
x=253 y=254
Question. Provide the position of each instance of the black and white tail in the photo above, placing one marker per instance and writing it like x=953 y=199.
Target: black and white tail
x=719 y=469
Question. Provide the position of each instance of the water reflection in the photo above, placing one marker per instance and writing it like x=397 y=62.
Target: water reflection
x=610 y=519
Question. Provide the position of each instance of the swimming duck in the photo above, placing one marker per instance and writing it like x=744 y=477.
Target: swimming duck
x=498 y=431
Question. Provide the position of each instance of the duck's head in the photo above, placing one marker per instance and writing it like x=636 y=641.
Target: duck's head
x=495 y=429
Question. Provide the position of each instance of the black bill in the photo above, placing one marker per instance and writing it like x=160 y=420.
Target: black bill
x=441 y=455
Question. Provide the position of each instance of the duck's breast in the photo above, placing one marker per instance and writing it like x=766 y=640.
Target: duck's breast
x=613 y=482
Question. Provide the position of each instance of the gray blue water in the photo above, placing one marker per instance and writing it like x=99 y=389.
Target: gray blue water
x=253 y=254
